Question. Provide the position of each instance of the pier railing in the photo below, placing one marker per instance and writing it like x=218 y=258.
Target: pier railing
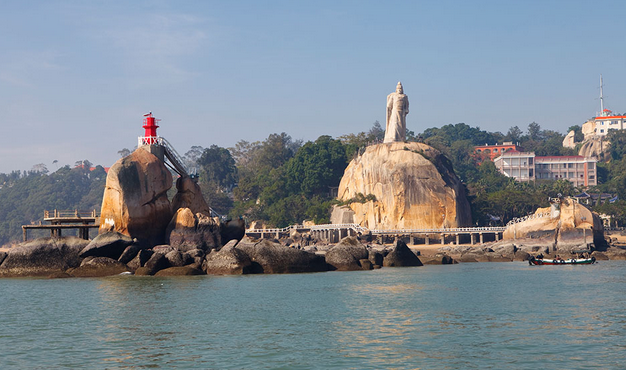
x=363 y=230
x=70 y=214
x=527 y=218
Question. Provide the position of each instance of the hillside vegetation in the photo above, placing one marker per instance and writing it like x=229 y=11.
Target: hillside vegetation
x=283 y=181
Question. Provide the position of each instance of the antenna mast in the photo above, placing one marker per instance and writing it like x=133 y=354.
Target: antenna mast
x=601 y=98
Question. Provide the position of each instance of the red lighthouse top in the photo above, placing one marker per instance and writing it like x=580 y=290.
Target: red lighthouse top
x=149 y=123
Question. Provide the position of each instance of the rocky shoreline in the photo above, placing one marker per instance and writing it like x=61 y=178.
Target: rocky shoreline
x=113 y=253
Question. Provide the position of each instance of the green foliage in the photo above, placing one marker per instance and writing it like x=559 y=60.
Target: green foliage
x=359 y=198
x=316 y=167
x=24 y=197
x=217 y=167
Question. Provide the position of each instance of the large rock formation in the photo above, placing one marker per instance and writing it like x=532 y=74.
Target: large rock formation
x=135 y=199
x=414 y=188
x=565 y=225
x=594 y=146
x=187 y=231
x=189 y=196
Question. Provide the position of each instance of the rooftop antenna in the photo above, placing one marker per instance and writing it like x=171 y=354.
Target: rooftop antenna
x=602 y=113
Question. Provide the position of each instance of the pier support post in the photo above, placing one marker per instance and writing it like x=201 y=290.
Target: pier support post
x=412 y=239
x=426 y=240
x=443 y=239
x=481 y=238
x=471 y=239
x=457 y=239
x=497 y=236
x=25 y=233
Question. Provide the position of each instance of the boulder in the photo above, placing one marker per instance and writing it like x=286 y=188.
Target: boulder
x=346 y=254
x=43 y=257
x=376 y=257
x=3 y=255
x=403 y=186
x=156 y=263
x=366 y=264
x=401 y=256
x=273 y=258
x=189 y=196
x=438 y=259
x=98 y=267
x=175 y=258
x=135 y=201
x=228 y=261
x=140 y=259
x=129 y=253
x=233 y=229
x=108 y=244
x=179 y=271
x=188 y=231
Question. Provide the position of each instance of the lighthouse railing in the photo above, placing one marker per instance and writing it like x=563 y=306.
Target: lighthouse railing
x=149 y=140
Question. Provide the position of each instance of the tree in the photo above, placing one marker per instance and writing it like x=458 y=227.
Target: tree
x=578 y=133
x=191 y=158
x=316 y=167
x=217 y=166
x=124 y=152
x=514 y=134
x=40 y=168
x=534 y=131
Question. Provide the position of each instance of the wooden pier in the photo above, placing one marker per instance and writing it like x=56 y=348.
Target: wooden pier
x=82 y=221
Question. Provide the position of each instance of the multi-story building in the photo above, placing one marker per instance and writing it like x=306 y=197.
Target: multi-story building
x=601 y=125
x=519 y=165
x=525 y=166
x=492 y=151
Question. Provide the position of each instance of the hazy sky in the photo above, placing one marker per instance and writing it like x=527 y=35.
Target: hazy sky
x=76 y=77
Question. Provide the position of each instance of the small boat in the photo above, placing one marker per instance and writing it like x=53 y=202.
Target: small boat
x=561 y=261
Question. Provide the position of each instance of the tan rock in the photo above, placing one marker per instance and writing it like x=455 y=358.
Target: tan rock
x=413 y=184
x=135 y=199
x=594 y=146
x=189 y=196
x=566 y=224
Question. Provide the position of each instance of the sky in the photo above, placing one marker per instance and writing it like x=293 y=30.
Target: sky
x=76 y=77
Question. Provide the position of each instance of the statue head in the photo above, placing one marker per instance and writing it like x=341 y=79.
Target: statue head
x=399 y=88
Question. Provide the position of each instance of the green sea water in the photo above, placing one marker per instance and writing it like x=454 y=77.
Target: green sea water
x=465 y=316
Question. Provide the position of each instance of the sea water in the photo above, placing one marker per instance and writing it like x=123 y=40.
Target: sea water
x=464 y=316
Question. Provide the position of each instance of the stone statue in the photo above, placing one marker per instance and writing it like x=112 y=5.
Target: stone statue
x=397 y=109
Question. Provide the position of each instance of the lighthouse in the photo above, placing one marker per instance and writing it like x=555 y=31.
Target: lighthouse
x=160 y=147
x=150 y=136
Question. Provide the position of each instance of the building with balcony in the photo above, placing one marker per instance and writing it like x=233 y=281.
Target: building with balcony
x=525 y=166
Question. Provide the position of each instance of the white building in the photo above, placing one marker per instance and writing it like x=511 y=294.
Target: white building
x=525 y=166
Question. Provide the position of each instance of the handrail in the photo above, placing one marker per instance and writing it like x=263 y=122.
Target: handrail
x=534 y=216
x=362 y=229
x=70 y=213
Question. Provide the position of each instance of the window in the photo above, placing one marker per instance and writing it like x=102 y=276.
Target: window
x=530 y=161
x=530 y=173
x=570 y=175
x=601 y=131
x=591 y=177
x=570 y=165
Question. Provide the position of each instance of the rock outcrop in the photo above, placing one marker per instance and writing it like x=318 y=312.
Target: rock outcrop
x=228 y=261
x=187 y=231
x=346 y=255
x=135 y=199
x=109 y=244
x=273 y=258
x=403 y=186
x=566 y=225
x=401 y=256
x=99 y=267
x=43 y=257
x=189 y=196
x=594 y=146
